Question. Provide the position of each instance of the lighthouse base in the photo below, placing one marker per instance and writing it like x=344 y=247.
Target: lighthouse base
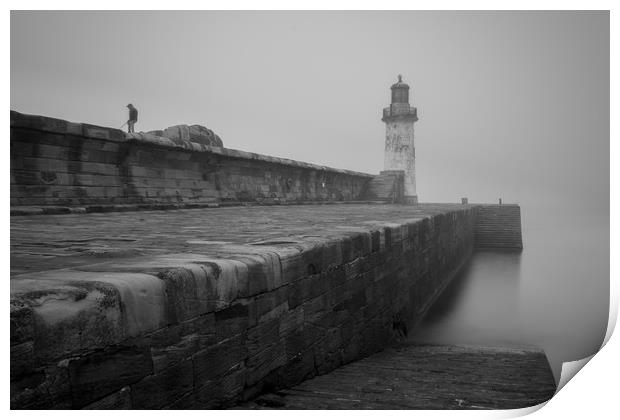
x=411 y=199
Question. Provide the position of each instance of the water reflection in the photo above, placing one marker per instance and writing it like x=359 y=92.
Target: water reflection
x=480 y=306
x=553 y=295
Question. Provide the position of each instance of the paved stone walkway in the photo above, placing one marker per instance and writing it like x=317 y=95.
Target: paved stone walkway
x=47 y=242
x=425 y=377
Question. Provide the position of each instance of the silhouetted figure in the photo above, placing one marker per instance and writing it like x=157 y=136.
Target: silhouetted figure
x=133 y=118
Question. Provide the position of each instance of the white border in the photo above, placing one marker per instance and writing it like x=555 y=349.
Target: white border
x=591 y=394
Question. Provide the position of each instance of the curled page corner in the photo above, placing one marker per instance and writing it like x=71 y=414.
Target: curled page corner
x=520 y=412
x=570 y=369
x=613 y=313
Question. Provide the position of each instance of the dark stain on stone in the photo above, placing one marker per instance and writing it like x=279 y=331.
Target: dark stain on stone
x=124 y=171
x=98 y=374
x=237 y=310
x=77 y=294
x=218 y=184
x=48 y=177
x=399 y=325
x=312 y=269
x=270 y=401
x=21 y=322
x=217 y=270
x=81 y=192
x=269 y=243
x=244 y=196
x=74 y=161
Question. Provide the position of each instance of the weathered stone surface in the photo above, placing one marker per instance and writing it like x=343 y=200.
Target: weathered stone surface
x=170 y=355
x=399 y=120
x=46 y=388
x=202 y=135
x=23 y=359
x=99 y=374
x=219 y=359
x=22 y=323
x=57 y=166
x=388 y=186
x=196 y=289
x=75 y=310
x=234 y=320
x=223 y=391
x=428 y=377
x=217 y=309
x=194 y=133
x=498 y=226
x=163 y=388
x=120 y=400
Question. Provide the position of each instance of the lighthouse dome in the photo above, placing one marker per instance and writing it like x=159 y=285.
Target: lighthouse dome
x=400 y=92
x=400 y=84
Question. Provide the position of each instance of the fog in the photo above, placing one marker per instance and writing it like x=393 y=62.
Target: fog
x=511 y=104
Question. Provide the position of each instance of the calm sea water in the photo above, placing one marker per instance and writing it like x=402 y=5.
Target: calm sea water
x=554 y=295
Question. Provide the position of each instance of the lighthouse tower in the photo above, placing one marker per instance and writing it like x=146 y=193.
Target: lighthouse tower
x=399 y=118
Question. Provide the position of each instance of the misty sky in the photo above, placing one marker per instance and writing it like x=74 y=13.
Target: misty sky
x=511 y=104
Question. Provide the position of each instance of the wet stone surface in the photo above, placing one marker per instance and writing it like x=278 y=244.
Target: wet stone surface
x=48 y=242
x=425 y=377
x=209 y=307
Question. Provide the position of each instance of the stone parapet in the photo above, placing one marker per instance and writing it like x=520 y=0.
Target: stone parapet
x=60 y=163
x=151 y=139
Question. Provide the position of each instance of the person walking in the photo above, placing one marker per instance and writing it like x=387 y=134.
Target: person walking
x=133 y=118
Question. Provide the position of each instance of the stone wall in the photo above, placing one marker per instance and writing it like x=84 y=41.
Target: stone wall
x=388 y=186
x=59 y=163
x=203 y=331
x=498 y=226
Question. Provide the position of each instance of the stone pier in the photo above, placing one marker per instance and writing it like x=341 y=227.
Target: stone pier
x=211 y=307
x=215 y=291
x=425 y=377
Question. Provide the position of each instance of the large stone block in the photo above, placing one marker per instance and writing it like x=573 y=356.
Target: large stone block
x=291 y=321
x=104 y=133
x=220 y=392
x=22 y=322
x=203 y=135
x=262 y=337
x=308 y=288
x=234 y=320
x=170 y=355
x=194 y=133
x=120 y=400
x=22 y=359
x=328 y=353
x=217 y=360
x=263 y=273
x=264 y=363
x=300 y=366
x=45 y=124
x=270 y=305
x=47 y=388
x=98 y=374
x=161 y=389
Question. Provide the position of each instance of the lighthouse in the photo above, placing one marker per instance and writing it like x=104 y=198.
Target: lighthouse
x=399 y=118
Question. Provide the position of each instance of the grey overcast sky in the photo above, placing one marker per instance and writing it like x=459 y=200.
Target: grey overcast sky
x=511 y=104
